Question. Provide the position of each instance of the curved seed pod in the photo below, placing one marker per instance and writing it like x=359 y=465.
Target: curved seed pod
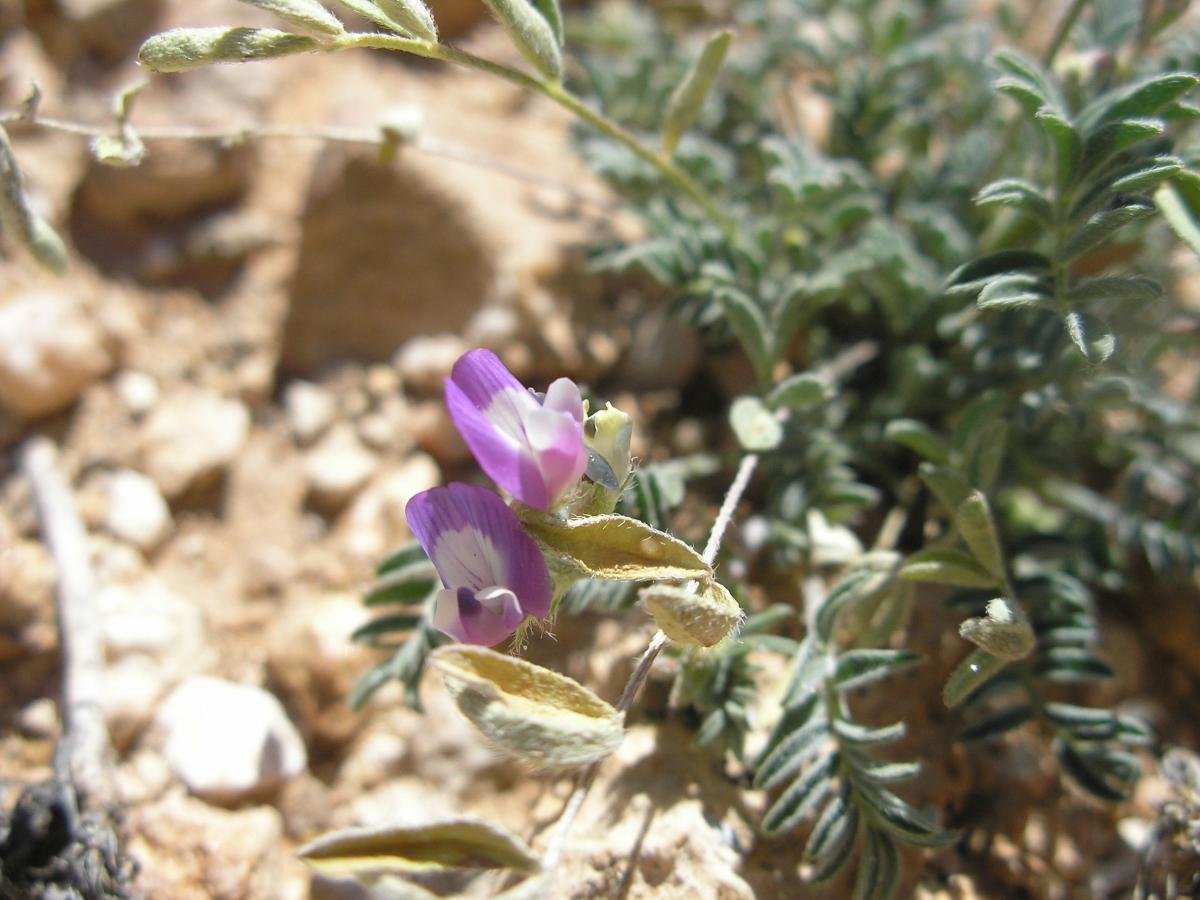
x=688 y=96
x=20 y=221
x=308 y=15
x=459 y=843
x=527 y=710
x=618 y=547
x=413 y=15
x=703 y=617
x=531 y=33
x=183 y=49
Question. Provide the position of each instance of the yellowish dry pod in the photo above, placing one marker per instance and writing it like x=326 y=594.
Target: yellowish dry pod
x=698 y=617
x=460 y=843
x=527 y=710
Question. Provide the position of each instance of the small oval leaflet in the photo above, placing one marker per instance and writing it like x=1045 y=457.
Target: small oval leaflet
x=460 y=843
x=618 y=547
x=531 y=33
x=755 y=425
x=702 y=617
x=307 y=15
x=182 y=49
x=529 y=711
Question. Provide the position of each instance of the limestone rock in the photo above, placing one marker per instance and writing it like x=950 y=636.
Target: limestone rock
x=189 y=850
x=191 y=437
x=375 y=522
x=229 y=742
x=424 y=361
x=137 y=391
x=130 y=694
x=310 y=410
x=49 y=352
x=338 y=467
x=136 y=510
x=145 y=616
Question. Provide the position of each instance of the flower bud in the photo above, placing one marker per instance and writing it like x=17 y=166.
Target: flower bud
x=607 y=433
x=698 y=618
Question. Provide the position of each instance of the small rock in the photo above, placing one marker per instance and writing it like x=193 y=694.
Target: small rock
x=310 y=410
x=49 y=352
x=130 y=693
x=375 y=522
x=338 y=467
x=191 y=438
x=229 y=742
x=27 y=582
x=188 y=849
x=424 y=361
x=663 y=352
x=137 y=391
x=39 y=719
x=146 y=616
x=434 y=432
x=385 y=429
x=136 y=510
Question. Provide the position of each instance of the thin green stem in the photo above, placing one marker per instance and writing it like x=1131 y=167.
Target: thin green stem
x=554 y=91
x=1063 y=31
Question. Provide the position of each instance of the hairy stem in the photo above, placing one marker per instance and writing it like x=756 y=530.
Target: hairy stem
x=554 y=91
x=558 y=838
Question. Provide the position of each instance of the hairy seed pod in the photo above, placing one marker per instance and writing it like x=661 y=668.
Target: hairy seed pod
x=698 y=618
x=529 y=711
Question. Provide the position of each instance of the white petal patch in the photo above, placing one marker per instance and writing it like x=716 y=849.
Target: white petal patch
x=504 y=603
x=508 y=410
x=467 y=558
x=445 y=614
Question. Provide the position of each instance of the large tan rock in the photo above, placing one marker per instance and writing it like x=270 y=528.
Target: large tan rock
x=192 y=437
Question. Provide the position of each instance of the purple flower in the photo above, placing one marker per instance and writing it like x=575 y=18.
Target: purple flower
x=533 y=450
x=492 y=571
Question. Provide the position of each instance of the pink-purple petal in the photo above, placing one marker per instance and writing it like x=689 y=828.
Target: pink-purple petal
x=477 y=543
x=508 y=461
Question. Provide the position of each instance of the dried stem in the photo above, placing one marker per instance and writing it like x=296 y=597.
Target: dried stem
x=328 y=134
x=558 y=838
x=84 y=751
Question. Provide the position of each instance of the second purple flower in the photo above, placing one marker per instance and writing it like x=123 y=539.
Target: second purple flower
x=533 y=450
